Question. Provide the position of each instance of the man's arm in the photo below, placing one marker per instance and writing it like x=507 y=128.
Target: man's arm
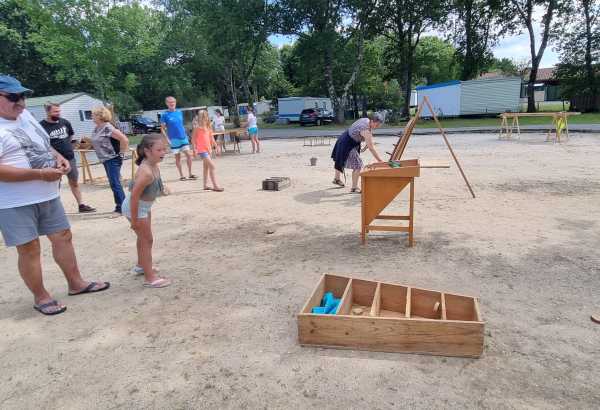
x=163 y=131
x=61 y=162
x=13 y=174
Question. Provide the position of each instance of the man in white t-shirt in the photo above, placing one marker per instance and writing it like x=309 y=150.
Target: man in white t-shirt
x=30 y=171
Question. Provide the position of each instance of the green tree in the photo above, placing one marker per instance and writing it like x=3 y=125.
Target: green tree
x=435 y=61
x=330 y=27
x=21 y=58
x=577 y=37
x=404 y=22
x=524 y=10
x=476 y=26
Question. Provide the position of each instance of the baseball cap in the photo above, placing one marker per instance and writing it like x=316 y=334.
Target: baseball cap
x=11 y=85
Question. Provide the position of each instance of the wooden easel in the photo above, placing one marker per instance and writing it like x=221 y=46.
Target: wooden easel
x=399 y=148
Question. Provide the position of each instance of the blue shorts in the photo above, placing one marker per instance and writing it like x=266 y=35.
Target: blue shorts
x=23 y=224
x=144 y=208
x=253 y=131
x=204 y=155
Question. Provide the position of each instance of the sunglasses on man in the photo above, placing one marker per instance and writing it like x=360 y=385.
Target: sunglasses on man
x=14 y=97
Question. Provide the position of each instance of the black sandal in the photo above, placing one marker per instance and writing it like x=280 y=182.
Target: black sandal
x=43 y=308
x=355 y=190
x=192 y=176
x=338 y=182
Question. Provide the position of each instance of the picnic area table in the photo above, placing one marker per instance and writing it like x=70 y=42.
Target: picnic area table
x=234 y=134
x=86 y=168
x=560 y=121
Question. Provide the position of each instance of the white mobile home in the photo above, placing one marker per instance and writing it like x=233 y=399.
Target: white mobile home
x=76 y=108
x=475 y=97
x=291 y=107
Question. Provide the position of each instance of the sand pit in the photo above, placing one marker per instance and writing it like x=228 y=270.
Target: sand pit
x=224 y=335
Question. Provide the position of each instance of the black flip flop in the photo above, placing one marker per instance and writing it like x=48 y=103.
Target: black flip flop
x=183 y=179
x=90 y=289
x=193 y=177
x=40 y=308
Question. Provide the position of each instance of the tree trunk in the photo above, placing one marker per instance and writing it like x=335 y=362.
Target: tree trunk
x=589 y=67
x=467 y=70
x=233 y=109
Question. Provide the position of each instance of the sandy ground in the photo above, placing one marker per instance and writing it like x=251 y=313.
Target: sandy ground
x=224 y=335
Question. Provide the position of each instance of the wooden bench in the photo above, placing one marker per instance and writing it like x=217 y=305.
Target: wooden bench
x=311 y=141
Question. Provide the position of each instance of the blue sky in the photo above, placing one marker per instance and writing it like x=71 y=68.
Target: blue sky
x=514 y=47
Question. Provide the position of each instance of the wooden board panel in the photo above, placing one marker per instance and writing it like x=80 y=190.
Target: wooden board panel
x=392 y=335
x=327 y=283
x=393 y=298
x=423 y=303
x=460 y=308
x=378 y=193
x=363 y=292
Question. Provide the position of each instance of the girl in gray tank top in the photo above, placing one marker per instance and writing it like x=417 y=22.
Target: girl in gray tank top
x=144 y=189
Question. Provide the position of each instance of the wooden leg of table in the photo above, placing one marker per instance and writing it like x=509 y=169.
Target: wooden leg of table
x=411 y=212
x=567 y=126
x=83 y=170
x=502 y=123
x=85 y=165
x=363 y=224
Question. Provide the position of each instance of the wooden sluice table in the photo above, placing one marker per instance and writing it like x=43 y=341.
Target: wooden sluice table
x=380 y=185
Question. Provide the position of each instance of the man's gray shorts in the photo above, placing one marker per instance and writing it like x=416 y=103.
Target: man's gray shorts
x=25 y=223
x=73 y=174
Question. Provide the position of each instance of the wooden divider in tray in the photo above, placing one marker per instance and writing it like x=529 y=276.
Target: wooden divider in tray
x=388 y=317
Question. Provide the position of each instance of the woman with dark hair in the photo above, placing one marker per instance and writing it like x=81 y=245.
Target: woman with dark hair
x=144 y=189
x=346 y=151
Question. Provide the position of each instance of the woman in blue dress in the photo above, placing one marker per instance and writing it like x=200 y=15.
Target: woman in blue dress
x=346 y=151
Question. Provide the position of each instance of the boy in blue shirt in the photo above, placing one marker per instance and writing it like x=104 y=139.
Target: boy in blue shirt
x=171 y=125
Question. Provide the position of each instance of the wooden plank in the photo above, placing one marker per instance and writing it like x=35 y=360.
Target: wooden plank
x=443 y=306
x=387 y=228
x=378 y=193
x=376 y=304
x=423 y=303
x=407 y=311
x=434 y=164
x=477 y=312
x=336 y=284
x=346 y=302
x=393 y=298
x=461 y=308
x=315 y=296
x=394 y=217
x=392 y=334
x=363 y=292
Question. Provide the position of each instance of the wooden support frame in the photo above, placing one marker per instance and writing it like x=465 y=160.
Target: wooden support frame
x=397 y=318
x=380 y=185
x=408 y=129
x=506 y=131
x=86 y=166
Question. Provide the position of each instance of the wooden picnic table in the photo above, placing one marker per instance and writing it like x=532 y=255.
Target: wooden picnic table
x=235 y=133
x=86 y=165
x=560 y=120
